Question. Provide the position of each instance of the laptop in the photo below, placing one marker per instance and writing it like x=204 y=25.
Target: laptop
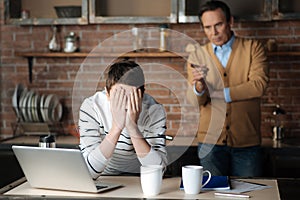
x=58 y=169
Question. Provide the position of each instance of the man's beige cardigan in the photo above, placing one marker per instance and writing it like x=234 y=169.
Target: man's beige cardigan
x=236 y=123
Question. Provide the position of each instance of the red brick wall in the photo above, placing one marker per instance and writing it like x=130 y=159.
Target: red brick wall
x=56 y=75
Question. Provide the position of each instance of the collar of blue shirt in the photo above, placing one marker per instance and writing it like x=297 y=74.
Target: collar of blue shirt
x=224 y=47
x=223 y=52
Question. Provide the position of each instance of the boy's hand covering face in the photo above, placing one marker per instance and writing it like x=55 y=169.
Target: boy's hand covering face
x=134 y=106
x=126 y=103
x=118 y=102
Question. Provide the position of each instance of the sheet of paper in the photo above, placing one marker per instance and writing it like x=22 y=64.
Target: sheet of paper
x=240 y=186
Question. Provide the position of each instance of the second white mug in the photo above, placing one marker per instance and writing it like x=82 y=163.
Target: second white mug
x=192 y=176
x=151 y=179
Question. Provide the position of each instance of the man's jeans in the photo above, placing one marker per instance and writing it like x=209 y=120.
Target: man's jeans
x=228 y=161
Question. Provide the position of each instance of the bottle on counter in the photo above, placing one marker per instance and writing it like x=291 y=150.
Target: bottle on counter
x=163 y=37
x=278 y=129
x=47 y=141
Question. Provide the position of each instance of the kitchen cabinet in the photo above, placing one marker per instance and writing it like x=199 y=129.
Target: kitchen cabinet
x=286 y=9
x=281 y=159
x=43 y=12
x=93 y=11
x=143 y=11
x=10 y=169
x=246 y=10
x=285 y=162
x=133 y=11
x=258 y=10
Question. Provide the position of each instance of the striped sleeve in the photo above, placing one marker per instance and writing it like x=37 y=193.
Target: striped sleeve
x=91 y=135
x=154 y=133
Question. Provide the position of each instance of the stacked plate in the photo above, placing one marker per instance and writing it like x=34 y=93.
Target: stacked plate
x=33 y=107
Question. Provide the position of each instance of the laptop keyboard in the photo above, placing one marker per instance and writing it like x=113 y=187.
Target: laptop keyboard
x=101 y=186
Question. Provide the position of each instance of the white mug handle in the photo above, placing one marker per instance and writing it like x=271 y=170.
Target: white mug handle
x=209 y=177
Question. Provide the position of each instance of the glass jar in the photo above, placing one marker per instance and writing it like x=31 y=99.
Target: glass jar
x=163 y=39
x=71 y=43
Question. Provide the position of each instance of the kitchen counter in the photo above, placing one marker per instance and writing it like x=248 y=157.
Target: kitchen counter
x=281 y=158
x=285 y=143
x=67 y=141
x=71 y=141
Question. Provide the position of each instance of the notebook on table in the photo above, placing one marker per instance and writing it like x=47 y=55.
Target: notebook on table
x=58 y=169
x=215 y=183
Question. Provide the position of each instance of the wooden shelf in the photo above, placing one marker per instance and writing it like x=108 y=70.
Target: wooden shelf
x=142 y=54
x=146 y=54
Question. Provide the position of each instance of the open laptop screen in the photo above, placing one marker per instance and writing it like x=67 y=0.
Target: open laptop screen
x=57 y=168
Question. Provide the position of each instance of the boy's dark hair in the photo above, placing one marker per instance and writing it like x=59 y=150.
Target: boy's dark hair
x=214 y=5
x=125 y=72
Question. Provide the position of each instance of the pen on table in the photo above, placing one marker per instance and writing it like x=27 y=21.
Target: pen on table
x=231 y=195
x=252 y=182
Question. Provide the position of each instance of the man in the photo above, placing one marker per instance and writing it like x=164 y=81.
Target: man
x=232 y=146
x=122 y=128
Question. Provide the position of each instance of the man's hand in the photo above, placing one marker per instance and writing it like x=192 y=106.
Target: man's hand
x=134 y=105
x=199 y=75
x=118 y=103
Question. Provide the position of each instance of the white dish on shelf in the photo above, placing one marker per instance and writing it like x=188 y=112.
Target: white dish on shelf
x=38 y=108
x=28 y=106
x=46 y=107
x=33 y=109
x=20 y=104
x=24 y=105
x=42 y=107
x=16 y=98
x=55 y=109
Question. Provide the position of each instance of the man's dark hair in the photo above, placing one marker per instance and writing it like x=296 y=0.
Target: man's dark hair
x=214 y=5
x=125 y=72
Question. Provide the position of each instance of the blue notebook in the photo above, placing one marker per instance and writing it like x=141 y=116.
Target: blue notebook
x=215 y=183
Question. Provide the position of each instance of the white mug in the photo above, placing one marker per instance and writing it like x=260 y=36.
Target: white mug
x=151 y=179
x=192 y=176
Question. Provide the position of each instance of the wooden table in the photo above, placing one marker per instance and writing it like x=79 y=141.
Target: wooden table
x=132 y=190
